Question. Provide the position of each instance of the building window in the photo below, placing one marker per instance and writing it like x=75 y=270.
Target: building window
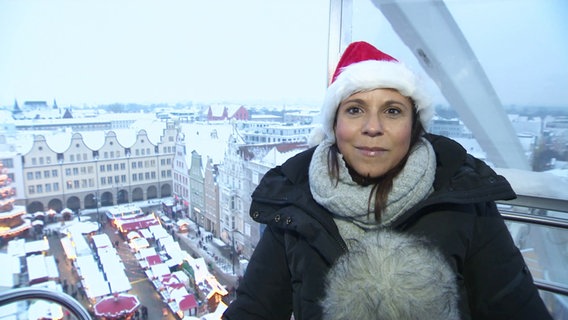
x=56 y=186
x=30 y=175
x=31 y=189
x=8 y=163
x=46 y=174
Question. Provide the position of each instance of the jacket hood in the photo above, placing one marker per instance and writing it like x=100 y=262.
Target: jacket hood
x=390 y=276
x=462 y=178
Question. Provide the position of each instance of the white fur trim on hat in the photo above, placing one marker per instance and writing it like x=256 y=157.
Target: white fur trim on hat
x=391 y=276
x=368 y=75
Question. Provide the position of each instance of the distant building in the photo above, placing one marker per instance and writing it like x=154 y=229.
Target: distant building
x=238 y=177
x=227 y=112
x=452 y=128
x=197 y=190
x=200 y=149
x=36 y=110
x=82 y=176
x=261 y=132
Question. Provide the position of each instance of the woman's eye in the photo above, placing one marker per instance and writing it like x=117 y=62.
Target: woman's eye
x=353 y=110
x=393 y=111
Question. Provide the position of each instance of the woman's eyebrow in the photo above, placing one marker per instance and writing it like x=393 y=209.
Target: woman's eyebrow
x=356 y=100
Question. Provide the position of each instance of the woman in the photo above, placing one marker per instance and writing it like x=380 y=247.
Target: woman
x=380 y=220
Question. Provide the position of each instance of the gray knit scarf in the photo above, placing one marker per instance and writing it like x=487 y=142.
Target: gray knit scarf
x=348 y=201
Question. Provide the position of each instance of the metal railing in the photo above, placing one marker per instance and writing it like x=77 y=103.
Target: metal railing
x=540 y=220
x=64 y=300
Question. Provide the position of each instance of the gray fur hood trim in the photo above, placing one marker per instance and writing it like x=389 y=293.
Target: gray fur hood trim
x=388 y=276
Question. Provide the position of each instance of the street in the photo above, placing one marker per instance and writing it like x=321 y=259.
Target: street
x=141 y=286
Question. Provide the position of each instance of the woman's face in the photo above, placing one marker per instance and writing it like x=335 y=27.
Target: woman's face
x=373 y=130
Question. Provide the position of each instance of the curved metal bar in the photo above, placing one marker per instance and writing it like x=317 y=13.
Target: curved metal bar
x=549 y=287
x=46 y=294
x=539 y=202
x=534 y=219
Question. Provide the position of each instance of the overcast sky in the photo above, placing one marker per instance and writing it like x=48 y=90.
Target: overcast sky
x=92 y=52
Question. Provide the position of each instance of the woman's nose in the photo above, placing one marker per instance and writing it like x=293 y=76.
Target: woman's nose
x=373 y=126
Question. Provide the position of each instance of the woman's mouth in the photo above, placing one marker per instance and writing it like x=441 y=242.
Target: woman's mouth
x=371 y=151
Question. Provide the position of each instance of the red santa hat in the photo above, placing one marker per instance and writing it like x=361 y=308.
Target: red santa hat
x=363 y=67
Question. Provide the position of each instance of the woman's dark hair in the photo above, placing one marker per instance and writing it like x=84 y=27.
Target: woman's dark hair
x=382 y=185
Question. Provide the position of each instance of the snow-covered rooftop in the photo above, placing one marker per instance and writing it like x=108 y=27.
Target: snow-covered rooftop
x=208 y=140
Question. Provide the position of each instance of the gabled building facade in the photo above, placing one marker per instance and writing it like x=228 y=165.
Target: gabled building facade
x=81 y=177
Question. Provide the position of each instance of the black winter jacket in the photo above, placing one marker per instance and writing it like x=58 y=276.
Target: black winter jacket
x=301 y=242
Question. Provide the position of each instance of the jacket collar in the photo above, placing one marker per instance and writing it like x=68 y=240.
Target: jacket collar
x=460 y=179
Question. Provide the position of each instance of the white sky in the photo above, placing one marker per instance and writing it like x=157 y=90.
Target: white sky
x=246 y=51
x=90 y=52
